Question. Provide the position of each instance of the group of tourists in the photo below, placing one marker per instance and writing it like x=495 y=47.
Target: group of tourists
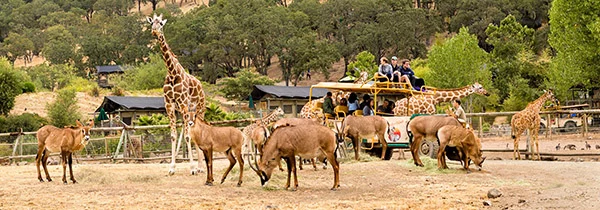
x=398 y=73
x=353 y=104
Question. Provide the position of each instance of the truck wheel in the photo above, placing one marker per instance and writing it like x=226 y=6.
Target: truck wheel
x=435 y=147
x=425 y=148
x=388 y=154
x=570 y=127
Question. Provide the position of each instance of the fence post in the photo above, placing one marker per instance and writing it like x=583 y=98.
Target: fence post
x=584 y=130
x=21 y=144
x=106 y=146
x=120 y=142
x=16 y=145
x=480 y=126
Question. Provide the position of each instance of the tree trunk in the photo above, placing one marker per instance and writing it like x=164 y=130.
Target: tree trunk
x=154 y=3
x=345 y=65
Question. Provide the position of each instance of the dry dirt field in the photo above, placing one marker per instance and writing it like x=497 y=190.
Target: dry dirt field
x=395 y=184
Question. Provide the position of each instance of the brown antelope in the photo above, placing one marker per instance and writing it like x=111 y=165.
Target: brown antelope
x=359 y=127
x=63 y=140
x=425 y=127
x=465 y=142
x=287 y=142
x=211 y=139
x=301 y=121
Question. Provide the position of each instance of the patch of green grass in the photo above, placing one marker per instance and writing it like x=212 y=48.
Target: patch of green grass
x=143 y=178
x=430 y=166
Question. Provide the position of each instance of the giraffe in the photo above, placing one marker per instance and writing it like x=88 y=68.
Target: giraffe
x=425 y=104
x=310 y=111
x=182 y=92
x=529 y=118
x=363 y=78
x=247 y=131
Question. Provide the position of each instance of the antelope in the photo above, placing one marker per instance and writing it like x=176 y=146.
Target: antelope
x=287 y=142
x=465 y=142
x=358 y=127
x=301 y=121
x=425 y=127
x=587 y=146
x=211 y=139
x=64 y=140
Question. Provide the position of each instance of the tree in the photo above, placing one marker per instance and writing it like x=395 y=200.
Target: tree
x=64 y=110
x=51 y=77
x=10 y=85
x=114 y=7
x=303 y=52
x=511 y=56
x=459 y=62
x=365 y=61
x=575 y=35
x=240 y=86
x=60 y=45
x=18 y=46
x=147 y=76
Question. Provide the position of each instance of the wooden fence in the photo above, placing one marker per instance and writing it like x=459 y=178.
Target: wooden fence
x=124 y=139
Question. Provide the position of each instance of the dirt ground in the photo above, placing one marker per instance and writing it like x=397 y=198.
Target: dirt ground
x=395 y=184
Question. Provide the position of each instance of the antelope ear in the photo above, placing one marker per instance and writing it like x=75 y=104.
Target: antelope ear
x=149 y=20
x=163 y=22
x=78 y=123
x=160 y=16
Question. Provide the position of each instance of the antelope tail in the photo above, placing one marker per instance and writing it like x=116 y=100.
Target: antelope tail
x=388 y=130
x=409 y=133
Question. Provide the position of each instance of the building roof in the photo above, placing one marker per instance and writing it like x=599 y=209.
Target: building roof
x=123 y=103
x=109 y=69
x=261 y=91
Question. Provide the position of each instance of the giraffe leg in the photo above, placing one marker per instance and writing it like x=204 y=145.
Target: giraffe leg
x=188 y=142
x=172 y=120
x=536 y=140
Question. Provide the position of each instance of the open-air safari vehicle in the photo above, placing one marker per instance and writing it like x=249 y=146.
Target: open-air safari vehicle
x=378 y=90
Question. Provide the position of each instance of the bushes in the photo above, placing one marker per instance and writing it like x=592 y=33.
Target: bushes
x=27 y=121
x=241 y=86
x=51 y=77
x=79 y=84
x=10 y=86
x=147 y=76
x=64 y=110
x=28 y=87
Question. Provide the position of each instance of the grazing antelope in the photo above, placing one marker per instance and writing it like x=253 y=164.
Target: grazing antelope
x=211 y=139
x=63 y=140
x=422 y=127
x=465 y=142
x=301 y=121
x=359 y=127
x=287 y=142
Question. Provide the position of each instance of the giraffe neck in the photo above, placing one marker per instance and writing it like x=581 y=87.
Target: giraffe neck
x=537 y=104
x=449 y=95
x=269 y=118
x=170 y=59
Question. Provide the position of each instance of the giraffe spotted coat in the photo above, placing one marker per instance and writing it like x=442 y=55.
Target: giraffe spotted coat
x=529 y=119
x=425 y=104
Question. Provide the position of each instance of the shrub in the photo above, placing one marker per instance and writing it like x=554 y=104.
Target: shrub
x=79 y=84
x=64 y=111
x=27 y=121
x=365 y=61
x=147 y=76
x=51 y=77
x=95 y=91
x=240 y=86
x=28 y=87
x=10 y=86
x=118 y=91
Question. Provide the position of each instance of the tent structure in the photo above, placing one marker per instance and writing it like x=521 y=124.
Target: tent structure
x=289 y=98
x=129 y=107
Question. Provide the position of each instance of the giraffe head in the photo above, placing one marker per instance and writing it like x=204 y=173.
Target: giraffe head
x=157 y=24
x=478 y=88
x=549 y=96
x=278 y=112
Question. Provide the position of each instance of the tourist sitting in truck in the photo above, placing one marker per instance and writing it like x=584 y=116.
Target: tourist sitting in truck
x=415 y=81
x=385 y=70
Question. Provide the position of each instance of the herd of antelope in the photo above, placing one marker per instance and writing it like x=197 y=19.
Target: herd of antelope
x=289 y=138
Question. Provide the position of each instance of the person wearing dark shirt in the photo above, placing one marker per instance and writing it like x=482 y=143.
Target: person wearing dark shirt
x=395 y=69
x=365 y=101
x=328 y=104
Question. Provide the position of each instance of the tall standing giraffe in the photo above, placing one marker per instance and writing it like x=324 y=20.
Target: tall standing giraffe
x=529 y=118
x=426 y=104
x=182 y=93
